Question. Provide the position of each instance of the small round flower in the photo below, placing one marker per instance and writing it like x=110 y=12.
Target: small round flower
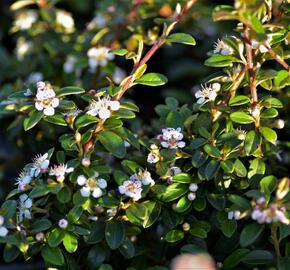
x=86 y=162
x=255 y=112
x=131 y=188
x=102 y=107
x=60 y=171
x=207 y=93
x=144 y=177
x=191 y=196
x=91 y=186
x=222 y=48
x=153 y=157
x=3 y=230
x=63 y=223
x=171 y=138
x=39 y=236
x=193 y=187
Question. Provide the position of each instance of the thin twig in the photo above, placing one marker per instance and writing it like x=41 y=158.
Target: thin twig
x=278 y=58
x=275 y=240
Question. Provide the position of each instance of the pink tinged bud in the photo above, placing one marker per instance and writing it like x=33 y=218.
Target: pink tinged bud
x=39 y=237
x=86 y=162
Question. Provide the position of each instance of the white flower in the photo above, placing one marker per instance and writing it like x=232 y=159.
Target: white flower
x=23 y=179
x=118 y=75
x=171 y=138
x=91 y=186
x=153 y=157
x=279 y=123
x=222 y=48
x=255 y=112
x=40 y=165
x=102 y=107
x=24 y=20
x=39 y=236
x=45 y=99
x=98 y=21
x=144 y=177
x=63 y=223
x=207 y=93
x=69 y=64
x=35 y=77
x=22 y=48
x=112 y=212
x=193 y=187
x=191 y=196
x=131 y=188
x=3 y=230
x=99 y=57
x=263 y=48
x=65 y=19
x=234 y=215
x=25 y=203
x=60 y=171
x=241 y=134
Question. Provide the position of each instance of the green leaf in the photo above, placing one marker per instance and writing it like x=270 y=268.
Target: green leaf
x=224 y=12
x=182 y=205
x=97 y=232
x=129 y=106
x=127 y=249
x=136 y=213
x=96 y=256
x=184 y=178
x=282 y=79
x=269 y=134
x=34 y=117
x=239 y=100
x=198 y=159
x=70 y=90
x=257 y=169
x=211 y=169
x=10 y=253
x=256 y=24
x=235 y=258
x=181 y=38
x=21 y=4
x=70 y=242
x=241 y=118
x=212 y=151
x=174 y=236
x=115 y=234
x=252 y=142
x=64 y=195
x=174 y=119
x=228 y=227
x=119 y=52
x=56 y=119
x=42 y=190
x=52 y=255
x=268 y=184
x=217 y=201
x=258 y=257
x=269 y=113
x=152 y=79
x=113 y=143
x=85 y=120
x=152 y=213
x=40 y=225
x=250 y=233
x=272 y=102
x=219 y=60
x=55 y=237
x=240 y=168
x=240 y=202
x=173 y=192
x=227 y=166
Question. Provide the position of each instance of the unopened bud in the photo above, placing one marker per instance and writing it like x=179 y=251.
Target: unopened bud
x=78 y=137
x=86 y=162
x=191 y=196
x=279 y=123
x=133 y=238
x=39 y=236
x=92 y=92
x=88 y=146
x=186 y=226
x=63 y=223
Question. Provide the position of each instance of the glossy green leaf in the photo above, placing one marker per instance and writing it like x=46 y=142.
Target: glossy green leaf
x=250 y=233
x=152 y=79
x=33 y=118
x=113 y=143
x=239 y=100
x=70 y=242
x=114 y=234
x=269 y=134
x=174 y=236
x=241 y=118
x=70 y=90
x=52 y=255
x=181 y=38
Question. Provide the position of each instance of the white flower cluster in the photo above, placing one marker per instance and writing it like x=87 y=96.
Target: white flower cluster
x=25 y=204
x=99 y=57
x=222 y=48
x=3 y=229
x=45 y=98
x=272 y=213
x=91 y=186
x=171 y=138
x=103 y=107
x=59 y=171
x=192 y=188
x=133 y=186
x=234 y=215
x=207 y=93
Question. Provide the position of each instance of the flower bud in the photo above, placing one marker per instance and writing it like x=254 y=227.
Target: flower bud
x=186 y=226
x=92 y=92
x=133 y=238
x=78 y=137
x=86 y=162
x=39 y=236
x=88 y=146
x=191 y=196
x=279 y=123
x=193 y=187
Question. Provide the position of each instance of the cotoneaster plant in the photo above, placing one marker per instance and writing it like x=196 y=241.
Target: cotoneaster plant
x=208 y=180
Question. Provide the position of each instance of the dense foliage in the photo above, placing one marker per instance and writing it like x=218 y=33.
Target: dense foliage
x=210 y=176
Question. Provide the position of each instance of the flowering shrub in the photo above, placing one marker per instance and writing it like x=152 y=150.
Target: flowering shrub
x=208 y=176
